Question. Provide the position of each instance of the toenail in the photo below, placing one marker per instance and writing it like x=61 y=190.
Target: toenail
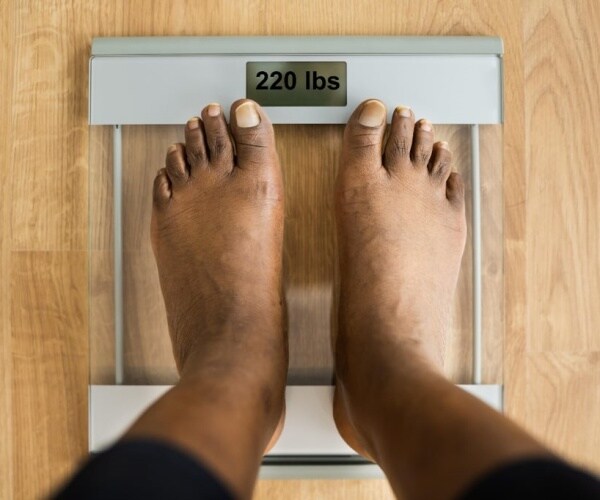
x=246 y=115
x=372 y=114
x=213 y=109
x=404 y=111
x=425 y=125
x=193 y=123
x=444 y=145
x=172 y=148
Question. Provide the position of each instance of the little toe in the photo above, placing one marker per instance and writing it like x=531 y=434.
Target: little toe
x=195 y=145
x=440 y=161
x=397 y=148
x=161 y=192
x=218 y=140
x=422 y=143
x=455 y=190
x=254 y=136
x=177 y=169
x=363 y=136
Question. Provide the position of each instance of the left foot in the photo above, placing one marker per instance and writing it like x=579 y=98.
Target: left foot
x=217 y=235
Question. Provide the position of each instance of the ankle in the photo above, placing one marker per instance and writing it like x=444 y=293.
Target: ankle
x=372 y=373
x=376 y=350
x=237 y=391
x=240 y=339
x=396 y=325
x=255 y=374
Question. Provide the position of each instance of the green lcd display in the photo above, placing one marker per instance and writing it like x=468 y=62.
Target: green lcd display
x=303 y=83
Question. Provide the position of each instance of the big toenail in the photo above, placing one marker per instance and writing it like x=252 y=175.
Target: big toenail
x=246 y=115
x=372 y=114
x=193 y=123
x=213 y=109
x=444 y=145
x=404 y=111
x=425 y=125
x=172 y=148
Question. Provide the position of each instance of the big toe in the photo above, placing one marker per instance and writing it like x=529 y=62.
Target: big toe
x=253 y=134
x=363 y=136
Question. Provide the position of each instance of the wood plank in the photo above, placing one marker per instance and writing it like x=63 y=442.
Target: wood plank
x=49 y=109
x=309 y=247
x=563 y=234
x=147 y=350
x=101 y=292
x=50 y=360
x=332 y=489
x=6 y=137
x=564 y=402
x=48 y=219
x=514 y=182
x=563 y=176
x=492 y=234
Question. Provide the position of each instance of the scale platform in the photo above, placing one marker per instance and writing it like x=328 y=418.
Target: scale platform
x=143 y=90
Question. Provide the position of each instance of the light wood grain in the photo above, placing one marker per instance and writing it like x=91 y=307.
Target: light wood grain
x=563 y=233
x=563 y=196
x=48 y=316
x=492 y=234
x=563 y=407
x=50 y=71
x=365 y=489
x=551 y=179
x=6 y=138
x=101 y=293
x=515 y=180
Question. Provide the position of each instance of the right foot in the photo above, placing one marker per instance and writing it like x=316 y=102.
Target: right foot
x=401 y=230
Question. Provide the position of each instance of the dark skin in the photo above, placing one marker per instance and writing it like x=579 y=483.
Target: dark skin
x=217 y=234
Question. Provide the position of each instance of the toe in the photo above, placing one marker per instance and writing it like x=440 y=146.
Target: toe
x=422 y=143
x=363 y=136
x=195 y=145
x=253 y=134
x=397 y=149
x=218 y=140
x=161 y=192
x=439 y=164
x=455 y=189
x=177 y=169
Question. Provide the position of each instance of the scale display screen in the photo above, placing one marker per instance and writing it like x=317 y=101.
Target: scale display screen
x=303 y=83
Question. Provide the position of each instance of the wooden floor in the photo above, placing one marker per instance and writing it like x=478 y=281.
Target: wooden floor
x=551 y=359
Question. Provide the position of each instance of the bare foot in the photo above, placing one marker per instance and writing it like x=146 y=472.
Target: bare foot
x=217 y=233
x=401 y=231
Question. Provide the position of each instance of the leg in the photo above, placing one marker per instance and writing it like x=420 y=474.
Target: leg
x=402 y=230
x=217 y=233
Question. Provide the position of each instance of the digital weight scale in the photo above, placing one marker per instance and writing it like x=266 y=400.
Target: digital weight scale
x=141 y=86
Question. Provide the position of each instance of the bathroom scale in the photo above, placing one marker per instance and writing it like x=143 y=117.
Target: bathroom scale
x=142 y=90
